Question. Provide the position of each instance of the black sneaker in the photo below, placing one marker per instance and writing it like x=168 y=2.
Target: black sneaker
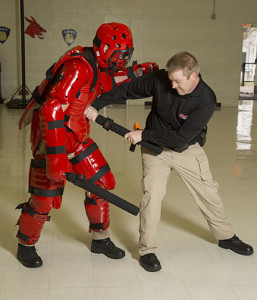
x=107 y=247
x=150 y=262
x=27 y=255
x=236 y=245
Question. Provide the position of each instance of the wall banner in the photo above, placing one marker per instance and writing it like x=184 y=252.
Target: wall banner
x=69 y=36
x=4 y=33
x=34 y=29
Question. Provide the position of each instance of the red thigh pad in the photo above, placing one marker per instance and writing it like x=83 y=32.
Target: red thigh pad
x=90 y=162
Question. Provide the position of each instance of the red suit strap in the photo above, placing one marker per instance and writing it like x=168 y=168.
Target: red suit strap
x=26 y=208
x=85 y=153
x=44 y=192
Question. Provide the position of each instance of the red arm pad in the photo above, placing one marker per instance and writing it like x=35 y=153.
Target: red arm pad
x=54 y=133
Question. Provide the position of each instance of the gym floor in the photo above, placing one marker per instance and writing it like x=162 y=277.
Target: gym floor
x=193 y=266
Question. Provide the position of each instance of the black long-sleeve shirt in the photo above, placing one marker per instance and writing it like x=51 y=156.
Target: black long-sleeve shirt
x=174 y=121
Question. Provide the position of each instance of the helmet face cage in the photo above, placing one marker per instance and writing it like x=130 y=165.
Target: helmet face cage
x=118 y=39
x=119 y=59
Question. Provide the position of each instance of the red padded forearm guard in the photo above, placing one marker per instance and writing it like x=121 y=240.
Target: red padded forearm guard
x=54 y=133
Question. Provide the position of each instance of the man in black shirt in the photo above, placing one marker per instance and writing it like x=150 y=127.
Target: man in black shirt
x=182 y=105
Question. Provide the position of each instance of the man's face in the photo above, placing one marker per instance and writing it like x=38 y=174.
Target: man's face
x=181 y=83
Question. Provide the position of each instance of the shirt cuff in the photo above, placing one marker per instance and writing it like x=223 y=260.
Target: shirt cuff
x=146 y=135
x=97 y=107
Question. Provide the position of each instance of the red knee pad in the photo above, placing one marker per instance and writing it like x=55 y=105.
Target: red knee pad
x=45 y=193
x=97 y=211
x=30 y=224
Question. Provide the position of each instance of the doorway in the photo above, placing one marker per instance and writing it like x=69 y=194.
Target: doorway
x=248 y=79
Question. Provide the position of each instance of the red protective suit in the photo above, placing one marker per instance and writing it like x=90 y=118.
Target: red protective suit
x=61 y=143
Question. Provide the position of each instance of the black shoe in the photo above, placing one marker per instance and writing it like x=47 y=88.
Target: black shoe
x=150 y=262
x=107 y=247
x=27 y=255
x=236 y=245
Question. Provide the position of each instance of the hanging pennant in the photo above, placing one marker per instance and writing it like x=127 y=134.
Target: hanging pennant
x=34 y=29
x=4 y=33
x=69 y=36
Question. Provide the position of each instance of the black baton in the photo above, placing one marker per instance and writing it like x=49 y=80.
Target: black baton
x=81 y=181
x=109 y=124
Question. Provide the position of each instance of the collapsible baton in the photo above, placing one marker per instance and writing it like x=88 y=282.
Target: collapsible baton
x=109 y=124
x=81 y=181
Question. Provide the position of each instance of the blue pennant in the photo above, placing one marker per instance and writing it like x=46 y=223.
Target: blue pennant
x=4 y=33
x=69 y=36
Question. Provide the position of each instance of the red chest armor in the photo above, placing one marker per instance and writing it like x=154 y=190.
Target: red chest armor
x=75 y=81
x=78 y=88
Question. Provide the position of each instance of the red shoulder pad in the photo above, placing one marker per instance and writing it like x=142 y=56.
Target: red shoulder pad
x=74 y=75
x=67 y=56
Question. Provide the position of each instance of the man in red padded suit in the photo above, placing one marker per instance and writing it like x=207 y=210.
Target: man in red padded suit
x=60 y=136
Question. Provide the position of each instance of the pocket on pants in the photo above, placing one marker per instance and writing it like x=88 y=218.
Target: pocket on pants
x=204 y=167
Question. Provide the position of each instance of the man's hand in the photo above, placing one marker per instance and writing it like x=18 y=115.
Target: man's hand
x=134 y=136
x=91 y=113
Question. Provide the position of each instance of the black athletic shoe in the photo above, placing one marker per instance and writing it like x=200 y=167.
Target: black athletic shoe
x=27 y=255
x=107 y=247
x=236 y=245
x=150 y=262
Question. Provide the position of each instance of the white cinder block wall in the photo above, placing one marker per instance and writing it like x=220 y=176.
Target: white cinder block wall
x=160 y=28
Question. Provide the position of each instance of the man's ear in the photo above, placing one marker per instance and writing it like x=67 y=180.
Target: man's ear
x=106 y=47
x=195 y=74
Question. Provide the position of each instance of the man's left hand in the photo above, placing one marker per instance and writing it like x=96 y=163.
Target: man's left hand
x=134 y=136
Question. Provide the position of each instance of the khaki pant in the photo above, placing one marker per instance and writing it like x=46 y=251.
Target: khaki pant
x=193 y=168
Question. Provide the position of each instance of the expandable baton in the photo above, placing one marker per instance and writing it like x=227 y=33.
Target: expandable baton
x=109 y=124
x=81 y=181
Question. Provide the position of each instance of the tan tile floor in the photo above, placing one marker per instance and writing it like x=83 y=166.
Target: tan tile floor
x=194 y=267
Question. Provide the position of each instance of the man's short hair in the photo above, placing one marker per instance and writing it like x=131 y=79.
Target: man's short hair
x=183 y=61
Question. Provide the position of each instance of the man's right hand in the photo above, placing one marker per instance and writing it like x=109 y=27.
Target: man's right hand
x=91 y=113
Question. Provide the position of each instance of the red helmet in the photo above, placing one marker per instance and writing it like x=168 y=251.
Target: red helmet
x=113 y=46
